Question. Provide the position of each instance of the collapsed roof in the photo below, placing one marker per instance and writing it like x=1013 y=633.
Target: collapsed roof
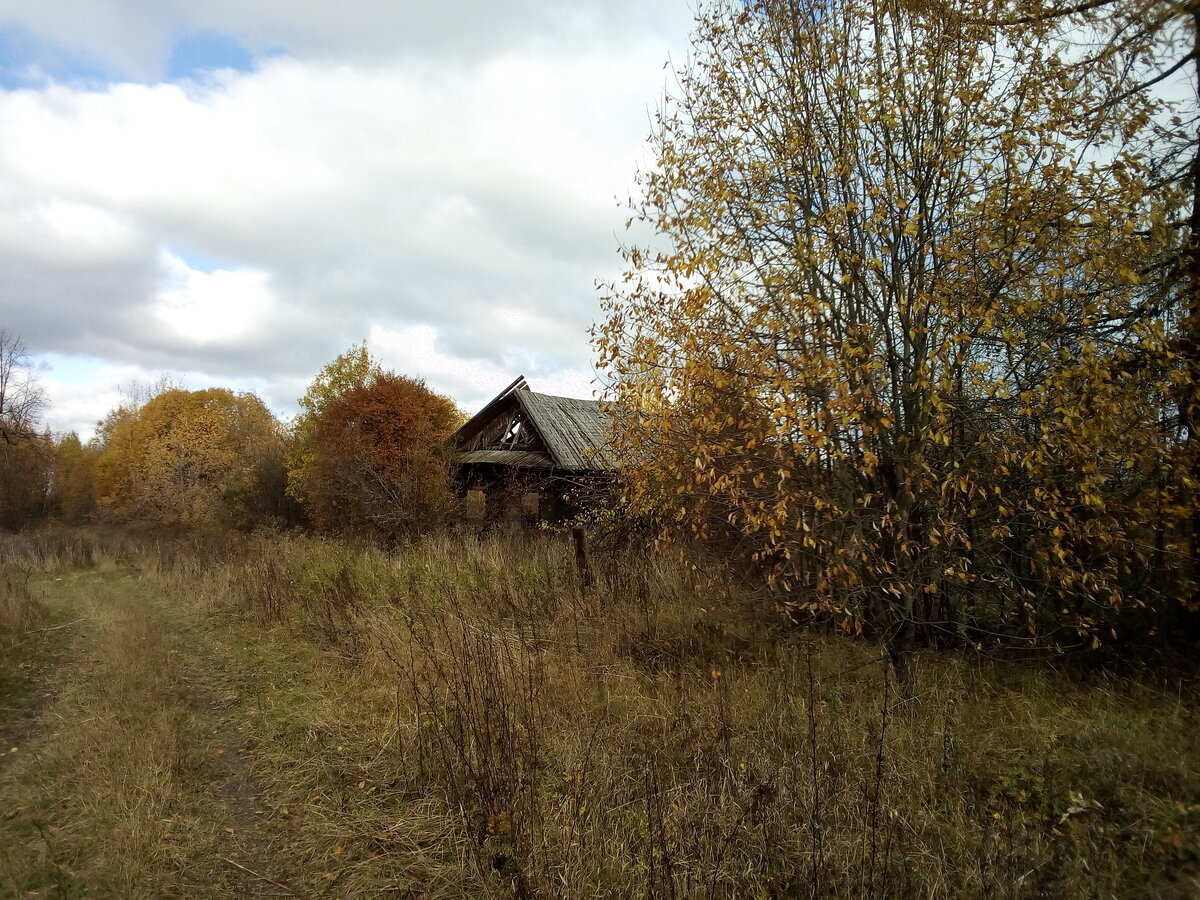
x=527 y=430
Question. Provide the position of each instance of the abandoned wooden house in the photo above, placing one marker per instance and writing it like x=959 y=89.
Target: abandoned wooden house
x=532 y=456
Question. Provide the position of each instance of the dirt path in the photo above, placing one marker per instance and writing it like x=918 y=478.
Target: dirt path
x=126 y=769
x=165 y=747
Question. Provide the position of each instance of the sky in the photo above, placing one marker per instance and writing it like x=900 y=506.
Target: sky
x=233 y=192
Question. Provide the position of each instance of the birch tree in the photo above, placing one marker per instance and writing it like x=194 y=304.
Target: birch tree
x=22 y=399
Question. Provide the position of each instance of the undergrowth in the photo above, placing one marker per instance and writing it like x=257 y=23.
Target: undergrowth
x=663 y=734
x=462 y=710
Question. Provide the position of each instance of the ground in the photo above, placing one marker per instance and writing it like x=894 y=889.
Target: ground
x=132 y=728
x=279 y=716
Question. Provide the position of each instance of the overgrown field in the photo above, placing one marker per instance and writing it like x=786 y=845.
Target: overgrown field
x=285 y=716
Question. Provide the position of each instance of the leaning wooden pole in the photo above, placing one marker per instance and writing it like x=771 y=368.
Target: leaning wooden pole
x=579 y=538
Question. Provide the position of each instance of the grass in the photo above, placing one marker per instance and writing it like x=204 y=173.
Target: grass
x=101 y=796
x=462 y=719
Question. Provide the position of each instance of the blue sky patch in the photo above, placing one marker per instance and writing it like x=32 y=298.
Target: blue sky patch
x=27 y=61
x=70 y=369
x=200 y=262
x=200 y=52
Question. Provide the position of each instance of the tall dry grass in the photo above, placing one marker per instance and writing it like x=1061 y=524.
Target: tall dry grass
x=20 y=610
x=665 y=735
x=25 y=556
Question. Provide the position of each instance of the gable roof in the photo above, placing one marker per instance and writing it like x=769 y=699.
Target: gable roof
x=566 y=433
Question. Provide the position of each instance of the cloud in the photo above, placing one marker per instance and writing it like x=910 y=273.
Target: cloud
x=221 y=307
x=417 y=351
x=136 y=37
x=244 y=225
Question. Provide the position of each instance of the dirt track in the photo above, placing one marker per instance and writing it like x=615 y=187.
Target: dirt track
x=128 y=766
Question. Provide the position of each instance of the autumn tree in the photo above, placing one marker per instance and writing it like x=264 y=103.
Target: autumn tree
x=73 y=490
x=378 y=465
x=113 y=475
x=260 y=496
x=25 y=478
x=889 y=326
x=353 y=369
x=1150 y=49
x=185 y=457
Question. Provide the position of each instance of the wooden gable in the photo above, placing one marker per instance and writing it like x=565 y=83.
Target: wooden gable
x=524 y=429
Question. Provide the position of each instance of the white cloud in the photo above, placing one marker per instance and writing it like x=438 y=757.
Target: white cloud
x=414 y=350
x=206 y=308
x=135 y=36
x=460 y=205
x=75 y=403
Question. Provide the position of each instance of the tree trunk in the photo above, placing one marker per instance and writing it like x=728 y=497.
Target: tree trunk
x=1190 y=265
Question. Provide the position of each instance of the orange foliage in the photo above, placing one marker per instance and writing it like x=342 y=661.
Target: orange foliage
x=378 y=466
x=182 y=457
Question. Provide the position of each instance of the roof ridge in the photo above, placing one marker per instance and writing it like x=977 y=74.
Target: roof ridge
x=560 y=396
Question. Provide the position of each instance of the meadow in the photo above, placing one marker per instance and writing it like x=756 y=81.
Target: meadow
x=191 y=715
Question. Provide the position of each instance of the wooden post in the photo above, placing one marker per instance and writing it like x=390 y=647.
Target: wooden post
x=581 y=557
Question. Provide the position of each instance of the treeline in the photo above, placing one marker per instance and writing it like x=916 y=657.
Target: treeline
x=364 y=457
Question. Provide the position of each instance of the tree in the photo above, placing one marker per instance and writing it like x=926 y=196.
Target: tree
x=260 y=497
x=21 y=397
x=24 y=460
x=892 y=260
x=353 y=369
x=1154 y=48
x=25 y=476
x=113 y=476
x=73 y=493
x=185 y=457
x=378 y=465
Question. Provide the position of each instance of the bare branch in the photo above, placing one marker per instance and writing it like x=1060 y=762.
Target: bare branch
x=21 y=397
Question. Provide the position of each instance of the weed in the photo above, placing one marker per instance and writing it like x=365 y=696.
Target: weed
x=462 y=718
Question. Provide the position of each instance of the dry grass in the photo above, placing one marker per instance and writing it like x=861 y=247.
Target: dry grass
x=461 y=719
x=103 y=796
x=664 y=735
x=20 y=610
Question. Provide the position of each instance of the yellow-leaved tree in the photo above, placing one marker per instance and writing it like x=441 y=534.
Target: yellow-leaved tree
x=891 y=333
x=1155 y=46
x=74 y=478
x=185 y=457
